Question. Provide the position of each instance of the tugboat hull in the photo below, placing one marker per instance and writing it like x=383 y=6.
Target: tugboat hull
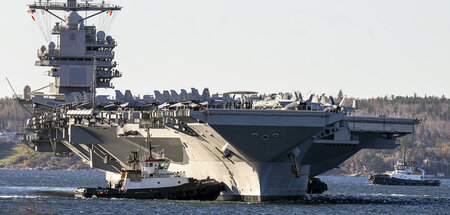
x=207 y=189
x=388 y=180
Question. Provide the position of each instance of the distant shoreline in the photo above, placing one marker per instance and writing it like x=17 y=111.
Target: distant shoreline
x=47 y=168
x=96 y=170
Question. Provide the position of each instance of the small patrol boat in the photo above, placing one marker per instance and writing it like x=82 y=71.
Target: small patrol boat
x=405 y=173
x=150 y=179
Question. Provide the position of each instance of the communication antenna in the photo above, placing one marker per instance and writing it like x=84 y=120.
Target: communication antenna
x=94 y=82
x=404 y=155
x=87 y=2
x=149 y=142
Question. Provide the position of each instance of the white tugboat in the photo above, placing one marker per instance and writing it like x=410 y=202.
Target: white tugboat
x=405 y=173
x=150 y=179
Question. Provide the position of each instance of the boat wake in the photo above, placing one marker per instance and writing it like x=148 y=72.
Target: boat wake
x=20 y=197
x=55 y=193
x=29 y=192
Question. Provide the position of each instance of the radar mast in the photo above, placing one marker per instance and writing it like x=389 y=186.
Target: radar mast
x=79 y=50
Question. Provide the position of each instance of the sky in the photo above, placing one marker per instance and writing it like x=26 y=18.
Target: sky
x=366 y=48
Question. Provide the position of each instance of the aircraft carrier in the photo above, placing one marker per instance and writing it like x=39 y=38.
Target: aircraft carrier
x=262 y=147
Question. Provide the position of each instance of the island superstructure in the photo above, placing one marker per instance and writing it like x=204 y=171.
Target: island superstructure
x=261 y=147
x=82 y=56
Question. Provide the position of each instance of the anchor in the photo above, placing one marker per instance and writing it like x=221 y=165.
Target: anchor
x=294 y=168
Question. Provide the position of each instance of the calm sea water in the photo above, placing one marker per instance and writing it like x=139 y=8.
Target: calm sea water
x=51 y=192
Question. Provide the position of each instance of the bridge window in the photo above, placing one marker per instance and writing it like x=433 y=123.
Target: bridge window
x=72 y=37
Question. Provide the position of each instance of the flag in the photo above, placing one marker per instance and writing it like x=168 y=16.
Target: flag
x=32 y=11
x=109 y=12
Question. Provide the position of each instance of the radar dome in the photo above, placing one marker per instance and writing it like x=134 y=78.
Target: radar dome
x=101 y=36
x=27 y=89
x=51 y=46
x=43 y=48
x=109 y=39
x=26 y=93
x=73 y=18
